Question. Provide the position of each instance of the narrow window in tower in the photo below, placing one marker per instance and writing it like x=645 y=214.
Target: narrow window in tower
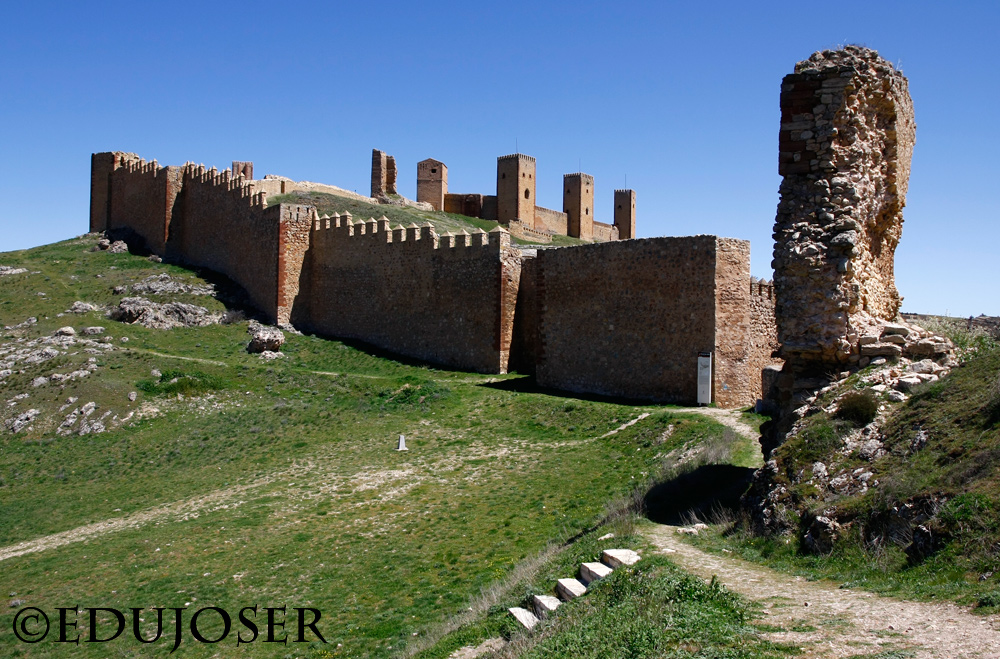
x=434 y=170
x=586 y=211
x=503 y=175
x=527 y=193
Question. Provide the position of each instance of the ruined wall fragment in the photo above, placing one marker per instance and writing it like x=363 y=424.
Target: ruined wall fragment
x=847 y=135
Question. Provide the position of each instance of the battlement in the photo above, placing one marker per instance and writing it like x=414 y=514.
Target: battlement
x=762 y=289
x=579 y=175
x=517 y=156
x=372 y=233
x=238 y=186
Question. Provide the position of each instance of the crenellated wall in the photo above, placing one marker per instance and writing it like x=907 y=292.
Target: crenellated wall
x=446 y=299
x=622 y=318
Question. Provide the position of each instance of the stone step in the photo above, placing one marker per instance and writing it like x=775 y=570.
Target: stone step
x=545 y=604
x=615 y=558
x=569 y=589
x=523 y=616
x=590 y=572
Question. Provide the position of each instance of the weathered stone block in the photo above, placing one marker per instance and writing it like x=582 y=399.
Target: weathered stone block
x=616 y=558
x=523 y=616
x=591 y=572
x=569 y=589
x=545 y=604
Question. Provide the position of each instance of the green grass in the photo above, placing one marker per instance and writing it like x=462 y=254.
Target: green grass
x=953 y=474
x=239 y=481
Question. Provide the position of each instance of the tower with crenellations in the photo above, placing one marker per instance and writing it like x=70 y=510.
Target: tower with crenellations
x=432 y=182
x=625 y=213
x=516 y=189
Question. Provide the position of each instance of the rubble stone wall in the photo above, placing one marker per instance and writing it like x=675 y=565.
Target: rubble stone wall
x=143 y=197
x=732 y=386
x=846 y=139
x=604 y=232
x=550 y=221
x=444 y=299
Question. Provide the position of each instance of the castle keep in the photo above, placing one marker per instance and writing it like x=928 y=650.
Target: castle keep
x=514 y=203
x=623 y=318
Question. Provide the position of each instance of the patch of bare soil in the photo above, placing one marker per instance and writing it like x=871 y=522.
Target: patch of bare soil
x=835 y=622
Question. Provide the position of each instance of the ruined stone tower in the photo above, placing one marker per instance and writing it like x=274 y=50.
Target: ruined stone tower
x=625 y=213
x=516 y=189
x=243 y=168
x=383 y=174
x=578 y=204
x=847 y=135
x=432 y=182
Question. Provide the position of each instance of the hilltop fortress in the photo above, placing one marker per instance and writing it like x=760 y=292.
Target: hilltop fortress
x=661 y=319
x=625 y=318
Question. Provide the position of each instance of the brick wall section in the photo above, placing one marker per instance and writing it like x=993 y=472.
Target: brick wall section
x=631 y=339
x=525 y=340
x=763 y=339
x=731 y=377
x=549 y=220
x=470 y=205
x=143 y=196
x=227 y=228
x=243 y=168
x=604 y=233
x=101 y=167
x=440 y=299
x=379 y=166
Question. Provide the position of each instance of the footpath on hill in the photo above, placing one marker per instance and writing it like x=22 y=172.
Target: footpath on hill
x=832 y=621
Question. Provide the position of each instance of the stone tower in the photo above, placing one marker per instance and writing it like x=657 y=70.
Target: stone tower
x=847 y=135
x=578 y=204
x=625 y=213
x=383 y=174
x=243 y=168
x=432 y=182
x=516 y=189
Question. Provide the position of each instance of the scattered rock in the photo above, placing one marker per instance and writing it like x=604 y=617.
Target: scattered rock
x=155 y=259
x=65 y=331
x=18 y=423
x=91 y=331
x=40 y=381
x=10 y=270
x=82 y=307
x=822 y=533
x=132 y=396
x=102 y=244
x=162 y=316
x=264 y=338
x=118 y=247
x=163 y=284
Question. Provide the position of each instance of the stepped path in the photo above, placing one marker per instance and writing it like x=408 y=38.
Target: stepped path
x=835 y=622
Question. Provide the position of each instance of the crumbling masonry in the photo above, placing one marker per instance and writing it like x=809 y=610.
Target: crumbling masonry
x=467 y=301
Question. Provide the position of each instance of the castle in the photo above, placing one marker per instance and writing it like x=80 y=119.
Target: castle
x=636 y=318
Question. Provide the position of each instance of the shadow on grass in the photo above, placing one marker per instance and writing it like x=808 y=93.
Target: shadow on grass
x=527 y=384
x=702 y=492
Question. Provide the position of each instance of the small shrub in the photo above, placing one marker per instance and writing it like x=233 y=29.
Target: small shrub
x=858 y=407
x=233 y=316
x=991 y=598
x=177 y=382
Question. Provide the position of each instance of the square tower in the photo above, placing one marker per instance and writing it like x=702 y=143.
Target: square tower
x=516 y=189
x=243 y=168
x=578 y=204
x=625 y=213
x=432 y=182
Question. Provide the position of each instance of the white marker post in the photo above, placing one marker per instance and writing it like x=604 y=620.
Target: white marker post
x=402 y=444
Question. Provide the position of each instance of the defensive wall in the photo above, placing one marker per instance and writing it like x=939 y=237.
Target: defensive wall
x=623 y=318
x=630 y=318
x=442 y=299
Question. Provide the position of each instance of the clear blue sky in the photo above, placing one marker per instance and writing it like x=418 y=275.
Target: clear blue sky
x=680 y=97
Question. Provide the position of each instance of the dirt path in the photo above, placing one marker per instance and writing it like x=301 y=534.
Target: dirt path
x=835 y=622
x=729 y=418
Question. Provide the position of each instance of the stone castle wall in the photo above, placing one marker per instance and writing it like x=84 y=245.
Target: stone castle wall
x=603 y=233
x=623 y=318
x=629 y=318
x=846 y=139
x=445 y=299
x=763 y=335
x=143 y=197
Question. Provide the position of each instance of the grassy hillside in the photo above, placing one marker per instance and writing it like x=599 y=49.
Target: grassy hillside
x=404 y=215
x=927 y=522
x=231 y=481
